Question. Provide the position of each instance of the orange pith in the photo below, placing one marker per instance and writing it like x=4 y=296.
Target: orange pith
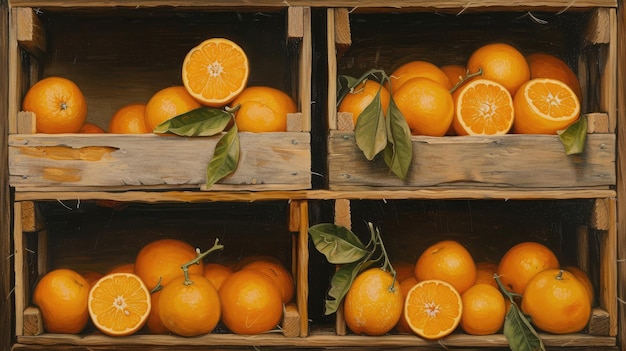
x=544 y=106
x=215 y=71
x=433 y=309
x=119 y=304
x=482 y=107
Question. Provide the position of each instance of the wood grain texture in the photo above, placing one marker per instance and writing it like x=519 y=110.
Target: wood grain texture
x=508 y=161
x=280 y=160
x=621 y=173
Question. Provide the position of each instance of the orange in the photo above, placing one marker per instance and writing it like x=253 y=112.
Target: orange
x=216 y=273
x=251 y=258
x=405 y=286
x=584 y=278
x=404 y=270
x=483 y=310
x=426 y=105
x=482 y=107
x=543 y=65
x=190 y=309
x=557 y=302
x=485 y=272
x=154 y=324
x=251 y=302
x=418 y=68
x=215 y=71
x=373 y=304
x=129 y=119
x=161 y=260
x=122 y=268
x=501 y=63
x=454 y=72
x=277 y=273
x=361 y=96
x=449 y=261
x=62 y=296
x=90 y=128
x=522 y=262
x=263 y=109
x=544 y=106
x=168 y=103
x=119 y=304
x=433 y=309
x=91 y=276
x=58 y=104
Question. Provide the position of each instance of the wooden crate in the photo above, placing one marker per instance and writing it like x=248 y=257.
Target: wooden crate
x=581 y=232
x=363 y=39
x=96 y=235
x=121 y=55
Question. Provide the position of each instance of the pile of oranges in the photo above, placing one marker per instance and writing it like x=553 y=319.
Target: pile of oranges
x=499 y=90
x=154 y=295
x=214 y=74
x=446 y=289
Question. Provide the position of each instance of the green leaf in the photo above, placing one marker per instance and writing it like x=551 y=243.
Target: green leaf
x=519 y=333
x=341 y=282
x=399 y=151
x=370 y=130
x=337 y=243
x=574 y=136
x=225 y=157
x=203 y=121
x=344 y=85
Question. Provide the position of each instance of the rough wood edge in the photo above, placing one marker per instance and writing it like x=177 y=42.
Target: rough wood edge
x=295 y=122
x=600 y=216
x=32 y=221
x=331 y=104
x=20 y=269
x=302 y=258
x=33 y=321
x=345 y=122
x=294 y=216
x=597 y=30
x=343 y=35
x=291 y=321
x=31 y=34
x=26 y=122
x=306 y=70
x=295 y=25
x=582 y=244
x=599 y=323
x=597 y=123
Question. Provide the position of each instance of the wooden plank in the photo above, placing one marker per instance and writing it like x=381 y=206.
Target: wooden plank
x=291 y=321
x=343 y=38
x=507 y=161
x=32 y=221
x=20 y=270
x=600 y=322
x=608 y=270
x=601 y=215
x=31 y=35
x=267 y=160
x=621 y=174
x=306 y=71
x=331 y=104
x=302 y=288
x=295 y=22
x=26 y=122
x=582 y=247
x=33 y=321
x=426 y=4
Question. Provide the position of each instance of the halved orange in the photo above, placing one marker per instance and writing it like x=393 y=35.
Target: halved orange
x=215 y=71
x=482 y=107
x=433 y=309
x=544 y=106
x=119 y=304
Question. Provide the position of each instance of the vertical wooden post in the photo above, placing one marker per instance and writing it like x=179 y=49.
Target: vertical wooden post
x=343 y=218
x=621 y=172
x=303 y=268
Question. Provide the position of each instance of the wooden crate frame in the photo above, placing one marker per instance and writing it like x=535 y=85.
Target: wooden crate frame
x=509 y=161
x=29 y=324
x=268 y=161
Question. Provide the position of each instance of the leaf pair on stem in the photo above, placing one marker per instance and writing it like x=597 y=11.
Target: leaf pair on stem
x=207 y=121
x=342 y=247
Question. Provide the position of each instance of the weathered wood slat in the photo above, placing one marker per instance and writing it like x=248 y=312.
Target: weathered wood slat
x=279 y=160
x=507 y=161
x=327 y=3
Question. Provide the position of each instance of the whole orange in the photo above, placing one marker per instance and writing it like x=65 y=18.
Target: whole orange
x=373 y=304
x=263 y=109
x=543 y=65
x=91 y=276
x=122 y=268
x=418 y=68
x=483 y=310
x=584 y=278
x=501 y=63
x=190 y=309
x=129 y=119
x=279 y=274
x=448 y=261
x=58 y=104
x=168 y=103
x=405 y=286
x=154 y=325
x=557 y=302
x=361 y=96
x=454 y=72
x=426 y=105
x=90 y=128
x=251 y=302
x=62 y=296
x=522 y=262
x=160 y=261
x=216 y=273
x=404 y=270
x=485 y=272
